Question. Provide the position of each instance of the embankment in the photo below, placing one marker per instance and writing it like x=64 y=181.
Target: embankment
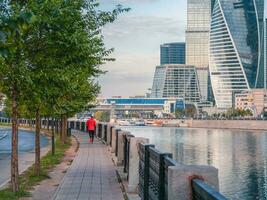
x=228 y=124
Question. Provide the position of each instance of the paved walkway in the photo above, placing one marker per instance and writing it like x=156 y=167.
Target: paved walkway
x=92 y=175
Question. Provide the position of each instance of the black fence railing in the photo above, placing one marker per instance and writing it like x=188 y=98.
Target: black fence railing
x=127 y=139
x=152 y=171
x=110 y=136
x=83 y=126
x=99 y=134
x=117 y=141
x=105 y=132
x=202 y=191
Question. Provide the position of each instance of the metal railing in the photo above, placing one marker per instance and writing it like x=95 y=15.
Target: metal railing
x=105 y=132
x=117 y=140
x=127 y=139
x=153 y=175
x=99 y=134
x=202 y=191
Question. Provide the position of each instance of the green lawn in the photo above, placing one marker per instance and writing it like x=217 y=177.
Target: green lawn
x=28 y=179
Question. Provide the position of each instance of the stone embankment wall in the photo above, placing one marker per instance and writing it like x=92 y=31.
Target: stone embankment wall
x=228 y=124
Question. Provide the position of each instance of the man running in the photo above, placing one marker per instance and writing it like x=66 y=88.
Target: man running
x=91 y=126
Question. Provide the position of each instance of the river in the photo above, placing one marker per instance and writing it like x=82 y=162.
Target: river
x=240 y=156
x=26 y=151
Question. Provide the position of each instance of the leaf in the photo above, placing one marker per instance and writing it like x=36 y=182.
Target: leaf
x=27 y=17
x=3 y=37
x=3 y=52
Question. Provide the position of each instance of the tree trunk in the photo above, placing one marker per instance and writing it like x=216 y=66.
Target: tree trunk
x=57 y=125
x=37 y=143
x=53 y=137
x=48 y=123
x=64 y=126
x=61 y=128
x=14 y=154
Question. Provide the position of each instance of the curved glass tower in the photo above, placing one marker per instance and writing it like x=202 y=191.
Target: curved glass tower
x=235 y=50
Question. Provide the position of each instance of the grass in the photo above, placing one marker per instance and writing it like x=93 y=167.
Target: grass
x=5 y=124
x=28 y=179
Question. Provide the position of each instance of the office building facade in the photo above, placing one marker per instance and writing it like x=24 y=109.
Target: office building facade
x=264 y=70
x=235 y=50
x=176 y=81
x=197 y=42
x=172 y=53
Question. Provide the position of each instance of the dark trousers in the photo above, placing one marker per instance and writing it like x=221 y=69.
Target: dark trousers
x=91 y=134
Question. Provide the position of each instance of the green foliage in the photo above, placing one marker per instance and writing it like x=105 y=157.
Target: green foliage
x=59 y=47
x=238 y=113
x=102 y=116
x=50 y=53
x=189 y=111
x=179 y=113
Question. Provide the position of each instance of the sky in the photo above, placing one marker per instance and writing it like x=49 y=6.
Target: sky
x=136 y=37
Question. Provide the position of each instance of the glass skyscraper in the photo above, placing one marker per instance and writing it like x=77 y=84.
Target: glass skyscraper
x=176 y=81
x=172 y=53
x=235 y=48
x=197 y=42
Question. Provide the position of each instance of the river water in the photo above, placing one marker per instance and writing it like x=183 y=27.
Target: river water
x=240 y=156
x=26 y=141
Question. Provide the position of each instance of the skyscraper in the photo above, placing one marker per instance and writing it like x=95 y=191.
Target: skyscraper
x=176 y=81
x=235 y=48
x=264 y=73
x=172 y=53
x=197 y=39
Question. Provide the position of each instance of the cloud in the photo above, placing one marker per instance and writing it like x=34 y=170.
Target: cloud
x=143 y=26
x=136 y=37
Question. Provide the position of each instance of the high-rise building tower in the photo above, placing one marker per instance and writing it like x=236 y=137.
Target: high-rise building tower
x=172 y=53
x=197 y=42
x=176 y=81
x=235 y=48
x=265 y=55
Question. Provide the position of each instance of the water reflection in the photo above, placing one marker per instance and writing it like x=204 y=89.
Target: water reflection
x=26 y=141
x=240 y=156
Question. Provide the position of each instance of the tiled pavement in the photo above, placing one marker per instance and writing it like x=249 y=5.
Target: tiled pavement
x=92 y=175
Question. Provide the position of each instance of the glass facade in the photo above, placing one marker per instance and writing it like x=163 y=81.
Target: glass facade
x=197 y=41
x=172 y=53
x=234 y=48
x=265 y=56
x=158 y=82
x=176 y=81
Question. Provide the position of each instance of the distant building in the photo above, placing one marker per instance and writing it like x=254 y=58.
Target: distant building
x=235 y=49
x=264 y=71
x=176 y=81
x=140 y=105
x=172 y=53
x=254 y=100
x=197 y=40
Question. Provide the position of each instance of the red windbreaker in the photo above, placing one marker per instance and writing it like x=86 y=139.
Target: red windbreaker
x=91 y=124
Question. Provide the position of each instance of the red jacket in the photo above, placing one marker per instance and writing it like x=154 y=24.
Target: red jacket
x=91 y=124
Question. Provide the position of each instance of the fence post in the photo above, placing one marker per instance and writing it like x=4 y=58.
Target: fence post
x=180 y=176
x=113 y=142
x=118 y=131
x=121 y=143
x=109 y=127
x=133 y=174
x=144 y=170
x=162 y=175
x=103 y=131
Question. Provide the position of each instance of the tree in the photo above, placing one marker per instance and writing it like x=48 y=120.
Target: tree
x=190 y=110
x=50 y=62
x=102 y=116
x=179 y=113
x=14 y=23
